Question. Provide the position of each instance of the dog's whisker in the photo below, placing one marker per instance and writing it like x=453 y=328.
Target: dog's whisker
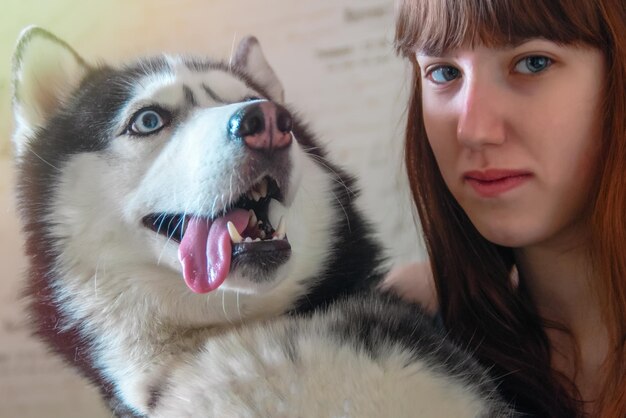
x=162 y=216
x=239 y=306
x=95 y=277
x=178 y=226
x=336 y=198
x=230 y=196
x=336 y=177
x=345 y=213
x=44 y=160
x=224 y=308
x=214 y=202
x=232 y=52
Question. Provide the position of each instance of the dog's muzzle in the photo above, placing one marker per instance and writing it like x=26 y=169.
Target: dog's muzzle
x=262 y=125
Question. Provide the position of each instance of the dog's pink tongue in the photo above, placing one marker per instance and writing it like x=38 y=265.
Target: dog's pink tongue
x=205 y=250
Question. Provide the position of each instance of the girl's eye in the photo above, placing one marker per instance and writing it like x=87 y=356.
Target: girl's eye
x=147 y=121
x=533 y=64
x=443 y=74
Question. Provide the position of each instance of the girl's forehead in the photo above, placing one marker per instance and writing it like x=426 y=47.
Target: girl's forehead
x=436 y=26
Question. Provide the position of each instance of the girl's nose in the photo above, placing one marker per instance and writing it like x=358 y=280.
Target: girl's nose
x=482 y=120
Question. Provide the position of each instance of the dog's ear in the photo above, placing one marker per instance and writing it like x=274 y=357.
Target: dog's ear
x=249 y=57
x=46 y=70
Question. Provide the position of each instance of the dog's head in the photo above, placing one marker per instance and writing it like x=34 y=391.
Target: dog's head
x=136 y=177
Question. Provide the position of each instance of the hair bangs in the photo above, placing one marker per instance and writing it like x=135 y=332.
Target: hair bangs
x=437 y=26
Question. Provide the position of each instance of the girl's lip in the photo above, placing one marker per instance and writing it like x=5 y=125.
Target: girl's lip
x=491 y=183
x=494 y=174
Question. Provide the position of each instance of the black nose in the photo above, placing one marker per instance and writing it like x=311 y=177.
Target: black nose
x=284 y=123
x=262 y=125
x=248 y=121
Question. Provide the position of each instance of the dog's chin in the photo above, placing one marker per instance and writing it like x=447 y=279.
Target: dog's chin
x=246 y=287
x=257 y=272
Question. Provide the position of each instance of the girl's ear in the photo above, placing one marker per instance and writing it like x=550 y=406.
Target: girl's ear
x=46 y=70
x=249 y=57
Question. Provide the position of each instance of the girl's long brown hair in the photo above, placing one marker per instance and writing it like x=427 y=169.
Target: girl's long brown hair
x=480 y=306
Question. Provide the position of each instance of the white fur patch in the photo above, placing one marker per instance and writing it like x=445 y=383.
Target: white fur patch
x=253 y=375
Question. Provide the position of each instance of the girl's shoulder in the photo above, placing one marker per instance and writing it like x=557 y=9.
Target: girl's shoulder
x=414 y=282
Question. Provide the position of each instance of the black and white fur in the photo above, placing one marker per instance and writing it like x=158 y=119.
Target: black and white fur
x=306 y=335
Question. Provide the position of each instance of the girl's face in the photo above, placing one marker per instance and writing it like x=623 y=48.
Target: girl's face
x=516 y=133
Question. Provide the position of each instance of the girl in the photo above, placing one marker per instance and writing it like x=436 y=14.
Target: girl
x=516 y=151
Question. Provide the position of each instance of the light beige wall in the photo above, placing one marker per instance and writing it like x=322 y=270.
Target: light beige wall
x=337 y=64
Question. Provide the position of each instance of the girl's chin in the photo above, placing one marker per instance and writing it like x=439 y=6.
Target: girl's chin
x=508 y=237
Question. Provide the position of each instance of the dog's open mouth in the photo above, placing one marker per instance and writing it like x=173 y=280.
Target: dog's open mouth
x=210 y=248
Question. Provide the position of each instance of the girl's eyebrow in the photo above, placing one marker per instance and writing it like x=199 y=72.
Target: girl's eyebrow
x=435 y=52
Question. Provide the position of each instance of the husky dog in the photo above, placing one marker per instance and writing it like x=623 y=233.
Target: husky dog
x=194 y=253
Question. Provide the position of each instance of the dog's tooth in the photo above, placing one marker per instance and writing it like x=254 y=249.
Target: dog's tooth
x=248 y=239
x=281 y=231
x=257 y=239
x=253 y=219
x=263 y=188
x=234 y=234
x=274 y=211
x=255 y=195
x=263 y=234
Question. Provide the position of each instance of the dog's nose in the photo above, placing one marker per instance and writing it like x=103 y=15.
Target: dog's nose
x=262 y=126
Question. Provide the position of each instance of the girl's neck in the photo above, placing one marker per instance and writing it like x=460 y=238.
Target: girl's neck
x=559 y=279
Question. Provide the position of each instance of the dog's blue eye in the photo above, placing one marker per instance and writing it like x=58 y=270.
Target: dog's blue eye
x=146 y=122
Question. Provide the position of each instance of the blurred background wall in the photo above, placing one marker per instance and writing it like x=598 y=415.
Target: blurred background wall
x=336 y=61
